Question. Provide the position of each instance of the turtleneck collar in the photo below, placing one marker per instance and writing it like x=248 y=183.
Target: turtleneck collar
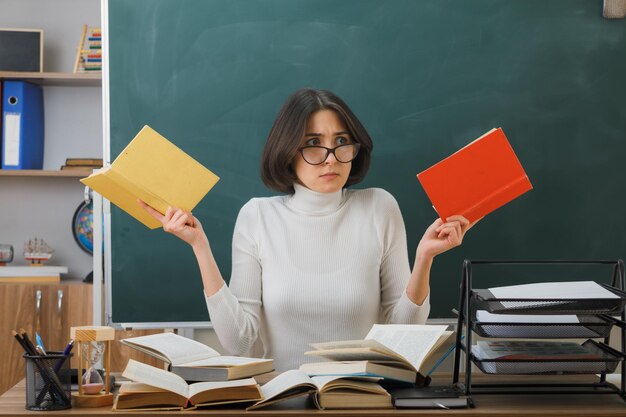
x=313 y=202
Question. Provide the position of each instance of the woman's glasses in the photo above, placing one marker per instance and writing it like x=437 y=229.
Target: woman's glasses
x=316 y=155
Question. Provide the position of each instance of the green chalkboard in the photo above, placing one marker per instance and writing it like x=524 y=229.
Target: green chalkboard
x=425 y=77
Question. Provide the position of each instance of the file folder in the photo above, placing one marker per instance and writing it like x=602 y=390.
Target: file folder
x=22 y=126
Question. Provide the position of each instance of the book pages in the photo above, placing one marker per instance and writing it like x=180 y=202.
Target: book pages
x=199 y=387
x=177 y=349
x=412 y=342
x=149 y=375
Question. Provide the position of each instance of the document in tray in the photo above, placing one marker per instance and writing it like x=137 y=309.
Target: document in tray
x=535 y=357
x=560 y=291
x=531 y=325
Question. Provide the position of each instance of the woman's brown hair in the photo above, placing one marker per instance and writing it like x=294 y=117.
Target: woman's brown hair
x=289 y=127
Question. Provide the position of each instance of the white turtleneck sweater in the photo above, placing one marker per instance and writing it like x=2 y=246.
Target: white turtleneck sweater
x=313 y=267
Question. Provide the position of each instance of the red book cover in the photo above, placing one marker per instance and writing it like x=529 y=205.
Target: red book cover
x=477 y=179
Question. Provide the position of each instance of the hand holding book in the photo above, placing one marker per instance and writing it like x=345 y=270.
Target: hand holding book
x=178 y=222
x=442 y=236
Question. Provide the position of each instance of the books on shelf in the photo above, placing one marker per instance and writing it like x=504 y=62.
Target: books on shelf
x=195 y=361
x=153 y=169
x=442 y=396
x=332 y=392
x=82 y=163
x=32 y=274
x=95 y=162
x=477 y=179
x=157 y=389
x=412 y=349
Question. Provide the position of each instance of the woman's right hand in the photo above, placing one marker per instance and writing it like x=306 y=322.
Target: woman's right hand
x=178 y=222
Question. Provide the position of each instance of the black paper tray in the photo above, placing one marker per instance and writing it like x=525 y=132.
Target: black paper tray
x=607 y=362
x=587 y=327
x=485 y=300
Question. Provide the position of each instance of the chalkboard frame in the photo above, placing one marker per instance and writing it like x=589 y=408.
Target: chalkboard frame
x=527 y=207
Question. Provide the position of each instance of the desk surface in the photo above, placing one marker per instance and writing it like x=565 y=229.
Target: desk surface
x=588 y=405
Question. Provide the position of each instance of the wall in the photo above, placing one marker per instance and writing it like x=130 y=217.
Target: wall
x=43 y=207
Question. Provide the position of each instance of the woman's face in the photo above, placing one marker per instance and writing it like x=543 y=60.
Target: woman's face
x=324 y=128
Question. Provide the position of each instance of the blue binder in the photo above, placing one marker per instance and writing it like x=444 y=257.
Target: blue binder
x=22 y=126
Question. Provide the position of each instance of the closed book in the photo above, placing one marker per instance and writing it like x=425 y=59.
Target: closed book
x=445 y=396
x=84 y=161
x=477 y=179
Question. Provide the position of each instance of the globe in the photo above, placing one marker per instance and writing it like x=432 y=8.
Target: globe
x=82 y=226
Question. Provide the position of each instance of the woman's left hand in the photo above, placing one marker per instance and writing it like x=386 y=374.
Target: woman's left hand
x=440 y=236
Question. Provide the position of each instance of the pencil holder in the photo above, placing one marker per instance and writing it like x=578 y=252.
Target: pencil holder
x=48 y=382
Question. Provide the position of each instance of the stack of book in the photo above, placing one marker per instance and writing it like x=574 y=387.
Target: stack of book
x=215 y=379
x=32 y=274
x=82 y=163
x=390 y=357
x=407 y=353
x=89 y=53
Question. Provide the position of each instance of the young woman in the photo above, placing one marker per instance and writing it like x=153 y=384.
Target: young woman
x=321 y=262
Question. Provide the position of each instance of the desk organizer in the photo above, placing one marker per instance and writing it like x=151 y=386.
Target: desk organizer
x=596 y=318
x=48 y=382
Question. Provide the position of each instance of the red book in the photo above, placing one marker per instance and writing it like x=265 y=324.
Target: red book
x=477 y=179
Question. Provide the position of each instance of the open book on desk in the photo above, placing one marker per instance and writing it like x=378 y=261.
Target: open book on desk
x=396 y=351
x=194 y=361
x=156 y=171
x=333 y=392
x=157 y=389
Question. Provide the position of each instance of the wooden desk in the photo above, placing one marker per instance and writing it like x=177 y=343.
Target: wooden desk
x=12 y=404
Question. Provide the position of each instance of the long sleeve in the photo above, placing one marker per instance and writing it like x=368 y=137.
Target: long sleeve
x=313 y=267
x=235 y=309
x=395 y=270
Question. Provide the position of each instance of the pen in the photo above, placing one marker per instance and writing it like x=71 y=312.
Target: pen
x=39 y=341
x=66 y=352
